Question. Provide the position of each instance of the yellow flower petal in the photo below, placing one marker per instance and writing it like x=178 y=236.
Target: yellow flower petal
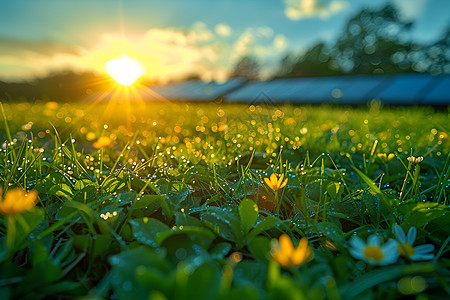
x=17 y=200
x=269 y=184
x=286 y=246
x=280 y=180
x=274 y=181
x=283 y=184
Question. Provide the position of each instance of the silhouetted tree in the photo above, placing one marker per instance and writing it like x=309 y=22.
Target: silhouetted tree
x=438 y=55
x=248 y=68
x=315 y=62
x=373 y=42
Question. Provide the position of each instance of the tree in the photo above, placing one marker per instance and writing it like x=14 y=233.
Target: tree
x=247 y=67
x=315 y=62
x=373 y=42
x=438 y=55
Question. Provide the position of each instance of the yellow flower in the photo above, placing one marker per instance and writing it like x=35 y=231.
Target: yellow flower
x=274 y=183
x=286 y=255
x=103 y=141
x=17 y=200
x=385 y=158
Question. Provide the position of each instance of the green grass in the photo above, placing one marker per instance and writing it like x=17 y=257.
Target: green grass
x=174 y=204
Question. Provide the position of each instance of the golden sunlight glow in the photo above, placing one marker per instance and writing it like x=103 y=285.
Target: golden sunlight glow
x=124 y=70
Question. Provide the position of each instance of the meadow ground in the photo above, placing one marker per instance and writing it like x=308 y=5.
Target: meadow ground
x=131 y=200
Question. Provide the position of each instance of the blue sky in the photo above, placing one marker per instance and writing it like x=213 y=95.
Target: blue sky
x=174 y=38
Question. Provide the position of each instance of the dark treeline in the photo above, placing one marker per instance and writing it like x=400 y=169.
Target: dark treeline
x=372 y=42
x=64 y=86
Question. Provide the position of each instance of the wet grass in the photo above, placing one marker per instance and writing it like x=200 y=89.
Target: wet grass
x=169 y=200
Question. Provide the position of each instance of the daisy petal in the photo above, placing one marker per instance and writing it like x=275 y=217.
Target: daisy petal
x=373 y=240
x=399 y=233
x=390 y=245
x=422 y=257
x=356 y=253
x=422 y=249
x=357 y=243
x=411 y=237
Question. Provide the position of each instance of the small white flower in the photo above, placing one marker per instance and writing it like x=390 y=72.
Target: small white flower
x=373 y=252
x=405 y=246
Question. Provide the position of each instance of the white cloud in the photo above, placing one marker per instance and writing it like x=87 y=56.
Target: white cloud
x=165 y=53
x=299 y=9
x=280 y=41
x=411 y=9
x=223 y=29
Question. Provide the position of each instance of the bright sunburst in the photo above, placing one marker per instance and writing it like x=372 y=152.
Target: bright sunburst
x=124 y=70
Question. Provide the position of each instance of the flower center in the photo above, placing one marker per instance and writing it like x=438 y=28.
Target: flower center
x=373 y=252
x=406 y=250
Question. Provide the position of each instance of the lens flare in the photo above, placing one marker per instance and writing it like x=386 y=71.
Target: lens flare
x=124 y=70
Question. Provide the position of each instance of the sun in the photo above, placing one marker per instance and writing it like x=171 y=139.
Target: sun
x=124 y=70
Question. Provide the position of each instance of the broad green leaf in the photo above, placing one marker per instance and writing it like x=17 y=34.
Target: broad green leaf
x=146 y=230
x=385 y=274
x=129 y=269
x=261 y=225
x=248 y=210
x=26 y=222
x=204 y=283
x=259 y=247
x=200 y=235
x=146 y=200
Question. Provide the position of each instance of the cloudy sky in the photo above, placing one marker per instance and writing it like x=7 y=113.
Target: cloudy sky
x=177 y=37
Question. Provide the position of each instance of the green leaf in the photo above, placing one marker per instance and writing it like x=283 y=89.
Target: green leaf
x=220 y=250
x=377 y=209
x=113 y=184
x=81 y=184
x=313 y=190
x=200 y=235
x=375 y=190
x=55 y=184
x=252 y=273
x=259 y=247
x=26 y=222
x=204 y=283
x=130 y=270
x=223 y=221
x=146 y=200
x=376 y=277
x=334 y=189
x=261 y=225
x=146 y=230
x=248 y=210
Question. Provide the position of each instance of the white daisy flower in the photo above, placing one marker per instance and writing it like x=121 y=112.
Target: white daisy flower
x=373 y=252
x=405 y=246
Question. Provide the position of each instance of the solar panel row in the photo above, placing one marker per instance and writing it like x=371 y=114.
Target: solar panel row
x=393 y=89
x=398 y=89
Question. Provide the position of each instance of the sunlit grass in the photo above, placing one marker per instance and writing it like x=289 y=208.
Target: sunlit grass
x=141 y=199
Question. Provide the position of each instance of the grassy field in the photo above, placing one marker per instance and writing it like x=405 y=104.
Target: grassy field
x=210 y=200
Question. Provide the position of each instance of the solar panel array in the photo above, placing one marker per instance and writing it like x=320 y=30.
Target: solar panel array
x=399 y=89
x=403 y=89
